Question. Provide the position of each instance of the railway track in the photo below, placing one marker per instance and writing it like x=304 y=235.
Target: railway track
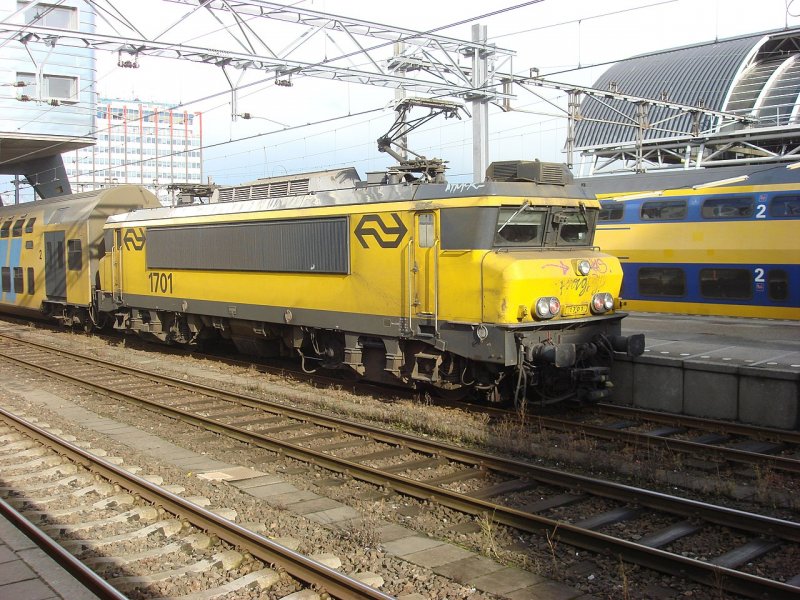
x=734 y=443
x=748 y=554
x=120 y=533
x=723 y=441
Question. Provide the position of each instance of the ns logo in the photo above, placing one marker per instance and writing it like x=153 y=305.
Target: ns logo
x=386 y=235
x=133 y=238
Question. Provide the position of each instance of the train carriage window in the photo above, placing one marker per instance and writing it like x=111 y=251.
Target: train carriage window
x=18 y=281
x=5 y=228
x=728 y=208
x=726 y=283
x=662 y=281
x=16 y=231
x=663 y=210
x=29 y=225
x=6 y=277
x=778 y=284
x=520 y=226
x=784 y=206
x=74 y=255
x=31 y=281
x=611 y=210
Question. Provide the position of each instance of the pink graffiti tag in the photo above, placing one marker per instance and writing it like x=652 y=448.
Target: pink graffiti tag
x=564 y=267
x=599 y=265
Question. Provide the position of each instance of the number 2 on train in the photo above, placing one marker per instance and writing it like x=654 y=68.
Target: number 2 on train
x=160 y=282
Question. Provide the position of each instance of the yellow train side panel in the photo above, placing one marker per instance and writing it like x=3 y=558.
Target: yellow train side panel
x=711 y=242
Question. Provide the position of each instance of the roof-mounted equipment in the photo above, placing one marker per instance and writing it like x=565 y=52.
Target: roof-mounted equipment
x=429 y=170
x=547 y=173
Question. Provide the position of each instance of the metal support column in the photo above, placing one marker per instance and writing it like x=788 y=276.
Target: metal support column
x=573 y=116
x=480 y=107
x=400 y=94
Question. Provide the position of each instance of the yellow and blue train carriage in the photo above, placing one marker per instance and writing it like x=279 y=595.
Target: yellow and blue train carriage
x=49 y=251
x=493 y=287
x=687 y=247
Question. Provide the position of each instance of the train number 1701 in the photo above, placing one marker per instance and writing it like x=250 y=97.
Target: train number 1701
x=160 y=282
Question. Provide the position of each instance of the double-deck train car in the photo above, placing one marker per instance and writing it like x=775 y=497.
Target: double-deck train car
x=49 y=251
x=492 y=288
x=691 y=243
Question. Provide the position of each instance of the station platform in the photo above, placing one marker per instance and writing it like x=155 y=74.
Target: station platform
x=729 y=368
x=27 y=573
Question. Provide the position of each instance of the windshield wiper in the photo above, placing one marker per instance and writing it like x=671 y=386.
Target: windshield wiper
x=525 y=204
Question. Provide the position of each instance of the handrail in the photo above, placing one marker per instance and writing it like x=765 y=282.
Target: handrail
x=436 y=287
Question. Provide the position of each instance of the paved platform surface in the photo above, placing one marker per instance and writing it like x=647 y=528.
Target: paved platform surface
x=27 y=573
x=765 y=343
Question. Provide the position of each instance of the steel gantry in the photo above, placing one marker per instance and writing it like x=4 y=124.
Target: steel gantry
x=369 y=53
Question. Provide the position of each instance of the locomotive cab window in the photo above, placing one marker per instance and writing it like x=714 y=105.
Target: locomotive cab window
x=574 y=227
x=726 y=283
x=728 y=208
x=5 y=228
x=74 y=255
x=520 y=226
x=784 y=206
x=611 y=210
x=426 y=234
x=663 y=210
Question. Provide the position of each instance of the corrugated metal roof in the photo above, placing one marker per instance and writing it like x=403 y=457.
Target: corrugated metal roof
x=696 y=75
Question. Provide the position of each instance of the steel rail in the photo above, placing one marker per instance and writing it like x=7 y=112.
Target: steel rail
x=752 y=431
x=83 y=574
x=707 y=573
x=782 y=463
x=299 y=566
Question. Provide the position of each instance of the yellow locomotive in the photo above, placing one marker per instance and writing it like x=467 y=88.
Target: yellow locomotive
x=492 y=288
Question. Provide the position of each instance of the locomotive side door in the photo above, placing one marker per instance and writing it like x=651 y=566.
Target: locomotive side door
x=425 y=299
x=55 y=268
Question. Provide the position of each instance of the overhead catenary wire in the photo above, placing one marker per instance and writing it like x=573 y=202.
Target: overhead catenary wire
x=96 y=131
x=267 y=81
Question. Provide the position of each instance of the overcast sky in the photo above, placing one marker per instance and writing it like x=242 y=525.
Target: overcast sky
x=556 y=36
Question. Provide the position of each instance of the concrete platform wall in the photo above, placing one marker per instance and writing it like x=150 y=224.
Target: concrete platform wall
x=768 y=397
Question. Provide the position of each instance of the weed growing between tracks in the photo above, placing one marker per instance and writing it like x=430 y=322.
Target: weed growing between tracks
x=489 y=533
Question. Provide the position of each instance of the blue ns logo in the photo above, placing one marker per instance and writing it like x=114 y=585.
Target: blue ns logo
x=387 y=236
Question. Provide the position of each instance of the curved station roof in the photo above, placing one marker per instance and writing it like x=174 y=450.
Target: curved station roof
x=757 y=76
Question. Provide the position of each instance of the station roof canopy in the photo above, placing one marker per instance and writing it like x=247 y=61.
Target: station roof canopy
x=756 y=76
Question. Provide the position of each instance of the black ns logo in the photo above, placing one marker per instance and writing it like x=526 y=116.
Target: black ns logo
x=133 y=238
x=387 y=236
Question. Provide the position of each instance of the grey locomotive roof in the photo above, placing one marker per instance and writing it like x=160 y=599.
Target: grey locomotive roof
x=733 y=75
x=367 y=194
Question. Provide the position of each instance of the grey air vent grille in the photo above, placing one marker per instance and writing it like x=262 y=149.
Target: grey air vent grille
x=535 y=171
x=276 y=190
x=299 y=187
x=259 y=192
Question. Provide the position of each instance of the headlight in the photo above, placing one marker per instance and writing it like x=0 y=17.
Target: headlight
x=602 y=302
x=584 y=267
x=548 y=307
